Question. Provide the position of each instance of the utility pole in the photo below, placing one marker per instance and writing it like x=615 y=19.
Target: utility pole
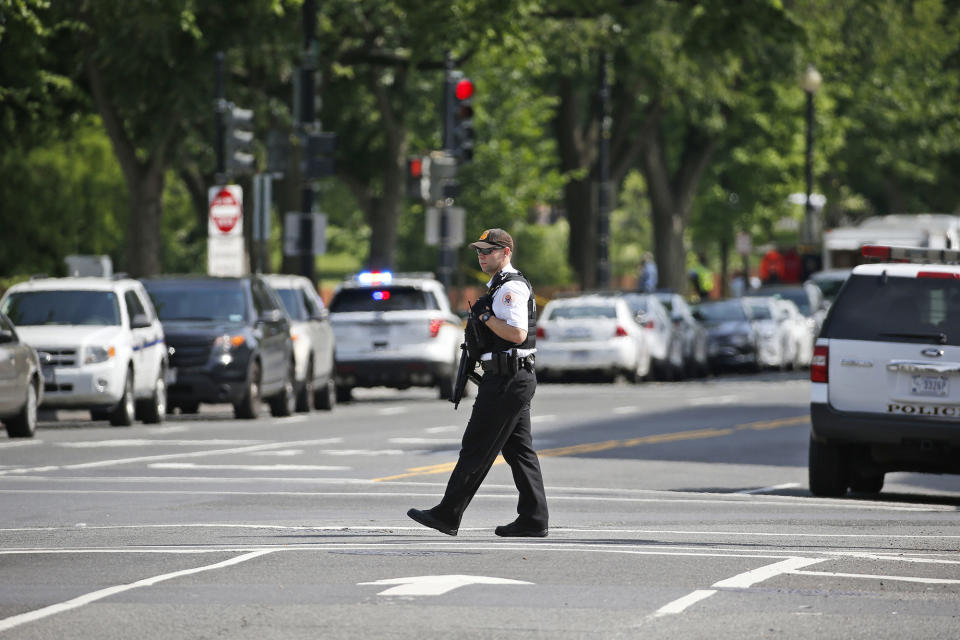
x=307 y=261
x=603 y=178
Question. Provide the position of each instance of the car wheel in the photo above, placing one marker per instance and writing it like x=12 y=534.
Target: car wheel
x=123 y=414
x=866 y=483
x=285 y=403
x=344 y=394
x=189 y=407
x=155 y=409
x=827 y=467
x=326 y=396
x=24 y=424
x=249 y=406
x=306 y=392
x=445 y=387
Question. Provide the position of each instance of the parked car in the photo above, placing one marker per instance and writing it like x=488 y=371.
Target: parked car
x=99 y=342
x=21 y=383
x=229 y=341
x=829 y=282
x=732 y=339
x=693 y=335
x=774 y=341
x=312 y=341
x=800 y=332
x=806 y=296
x=885 y=376
x=591 y=334
x=663 y=339
x=394 y=330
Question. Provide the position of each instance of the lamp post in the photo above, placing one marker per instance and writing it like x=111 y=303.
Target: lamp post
x=810 y=82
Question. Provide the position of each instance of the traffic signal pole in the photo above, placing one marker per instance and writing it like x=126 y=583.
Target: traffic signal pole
x=446 y=253
x=220 y=108
x=307 y=261
x=603 y=177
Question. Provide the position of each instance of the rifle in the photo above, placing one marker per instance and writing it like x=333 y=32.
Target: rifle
x=469 y=355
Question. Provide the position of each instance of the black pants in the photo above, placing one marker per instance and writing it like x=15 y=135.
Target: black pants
x=500 y=422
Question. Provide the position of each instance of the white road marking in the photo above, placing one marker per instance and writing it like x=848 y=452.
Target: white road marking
x=443 y=429
x=191 y=454
x=38 y=614
x=246 y=467
x=546 y=418
x=775 y=487
x=424 y=440
x=19 y=443
x=364 y=452
x=875 y=577
x=392 y=411
x=169 y=429
x=739 y=581
x=730 y=399
x=282 y=453
x=625 y=410
x=435 y=585
x=143 y=442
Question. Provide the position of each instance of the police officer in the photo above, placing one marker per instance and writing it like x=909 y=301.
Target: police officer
x=500 y=421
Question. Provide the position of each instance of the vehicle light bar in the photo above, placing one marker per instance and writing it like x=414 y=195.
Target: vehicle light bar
x=374 y=277
x=910 y=254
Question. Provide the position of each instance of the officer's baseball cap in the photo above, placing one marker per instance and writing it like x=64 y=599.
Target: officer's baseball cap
x=493 y=239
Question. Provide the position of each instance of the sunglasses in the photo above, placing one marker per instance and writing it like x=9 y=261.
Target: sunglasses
x=486 y=252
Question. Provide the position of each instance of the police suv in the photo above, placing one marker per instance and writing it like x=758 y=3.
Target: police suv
x=394 y=330
x=885 y=392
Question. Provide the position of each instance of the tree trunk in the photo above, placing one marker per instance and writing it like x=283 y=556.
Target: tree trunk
x=144 y=230
x=384 y=212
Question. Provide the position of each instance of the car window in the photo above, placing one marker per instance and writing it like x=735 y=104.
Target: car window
x=293 y=302
x=5 y=324
x=760 y=311
x=199 y=303
x=311 y=303
x=584 y=311
x=891 y=309
x=722 y=311
x=262 y=300
x=63 y=307
x=396 y=298
x=134 y=306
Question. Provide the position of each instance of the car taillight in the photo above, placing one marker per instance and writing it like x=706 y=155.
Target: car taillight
x=541 y=334
x=435 y=325
x=818 y=365
x=621 y=332
x=648 y=324
x=938 y=274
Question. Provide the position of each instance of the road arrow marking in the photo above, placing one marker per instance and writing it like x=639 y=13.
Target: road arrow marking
x=435 y=585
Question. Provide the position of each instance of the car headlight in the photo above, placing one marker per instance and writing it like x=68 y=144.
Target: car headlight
x=98 y=354
x=226 y=343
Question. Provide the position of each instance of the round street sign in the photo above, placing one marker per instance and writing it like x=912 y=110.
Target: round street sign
x=225 y=211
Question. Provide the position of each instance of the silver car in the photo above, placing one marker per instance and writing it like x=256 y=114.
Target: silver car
x=313 y=342
x=21 y=383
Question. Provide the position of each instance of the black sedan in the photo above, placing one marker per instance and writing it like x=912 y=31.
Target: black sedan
x=731 y=338
x=228 y=341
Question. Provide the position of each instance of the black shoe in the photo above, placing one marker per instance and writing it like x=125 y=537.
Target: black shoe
x=517 y=530
x=427 y=519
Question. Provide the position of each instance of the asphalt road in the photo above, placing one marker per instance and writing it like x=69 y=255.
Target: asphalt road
x=678 y=510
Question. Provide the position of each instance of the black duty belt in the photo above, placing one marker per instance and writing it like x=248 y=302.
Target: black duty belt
x=507 y=364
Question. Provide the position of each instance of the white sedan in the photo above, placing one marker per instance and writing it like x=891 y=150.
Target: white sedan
x=591 y=334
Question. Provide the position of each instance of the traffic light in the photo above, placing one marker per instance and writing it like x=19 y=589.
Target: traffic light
x=239 y=140
x=318 y=155
x=416 y=178
x=463 y=132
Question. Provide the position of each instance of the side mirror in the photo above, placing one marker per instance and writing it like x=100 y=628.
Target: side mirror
x=140 y=321
x=321 y=314
x=6 y=337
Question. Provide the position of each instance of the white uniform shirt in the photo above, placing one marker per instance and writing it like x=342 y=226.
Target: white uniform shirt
x=510 y=305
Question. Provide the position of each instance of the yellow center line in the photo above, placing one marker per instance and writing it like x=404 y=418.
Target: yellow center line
x=592 y=447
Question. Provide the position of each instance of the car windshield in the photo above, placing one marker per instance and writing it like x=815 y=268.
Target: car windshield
x=384 y=299
x=760 y=311
x=293 y=303
x=213 y=304
x=637 y=304
x=582 y=311
x=796 y=295
x=67 y=307
x=722 y=311
x=892 y=309
x=829 y=286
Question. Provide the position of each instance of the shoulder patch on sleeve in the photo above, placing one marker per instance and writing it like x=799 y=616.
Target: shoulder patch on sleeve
x=507 y=299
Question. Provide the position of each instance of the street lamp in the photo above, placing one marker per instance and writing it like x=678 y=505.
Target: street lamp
x=810 y=82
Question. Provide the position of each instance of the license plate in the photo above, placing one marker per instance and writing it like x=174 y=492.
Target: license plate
x=578 y=333
x=171 y=377
x=936 y=386
x=580 y=355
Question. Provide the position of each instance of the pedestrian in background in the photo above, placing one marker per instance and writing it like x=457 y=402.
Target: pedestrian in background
x=647 y=282
x=500 y=420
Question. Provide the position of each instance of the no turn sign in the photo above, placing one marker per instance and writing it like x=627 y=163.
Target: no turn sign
x=226 y=211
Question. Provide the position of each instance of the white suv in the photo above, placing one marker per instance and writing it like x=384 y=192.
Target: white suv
x=100 y=344
x=395 y=331
x=885 y=392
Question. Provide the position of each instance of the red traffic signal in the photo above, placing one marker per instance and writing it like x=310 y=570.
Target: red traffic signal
x=415 y=167
x=464 y=89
